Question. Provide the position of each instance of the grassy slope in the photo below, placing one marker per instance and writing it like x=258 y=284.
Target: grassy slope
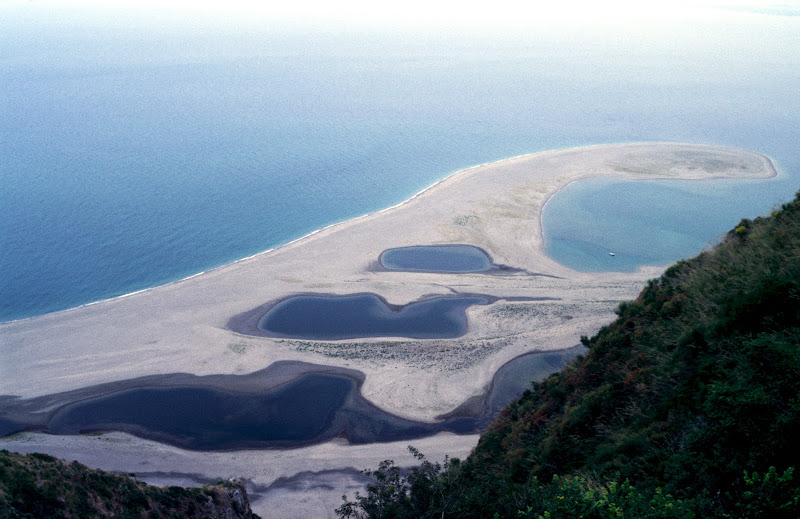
x=41 y=486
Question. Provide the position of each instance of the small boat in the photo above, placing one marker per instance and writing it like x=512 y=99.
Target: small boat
x=611 y=254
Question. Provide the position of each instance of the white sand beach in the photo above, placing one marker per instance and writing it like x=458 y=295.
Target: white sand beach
x=183 y=326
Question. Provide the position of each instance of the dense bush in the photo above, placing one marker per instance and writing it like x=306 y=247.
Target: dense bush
x=39 y=486
x=688 y=405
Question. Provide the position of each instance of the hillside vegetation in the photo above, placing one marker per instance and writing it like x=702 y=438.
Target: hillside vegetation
x=40 y=486
x=688 y=405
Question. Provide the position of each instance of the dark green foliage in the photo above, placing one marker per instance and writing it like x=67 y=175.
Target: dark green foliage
x=688 y=405
x=770 y=495
x=41 y=486
x=435 y=491
x=429 y=490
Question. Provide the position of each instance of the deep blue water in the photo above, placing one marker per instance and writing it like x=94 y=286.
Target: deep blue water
x=367 y=315
x=312 y=409
x=137 y=148
x=437 y=258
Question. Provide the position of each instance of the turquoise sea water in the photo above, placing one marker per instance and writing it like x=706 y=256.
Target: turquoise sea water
x=140 y=147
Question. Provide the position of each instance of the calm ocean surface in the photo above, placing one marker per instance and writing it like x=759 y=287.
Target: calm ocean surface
x=140 y=148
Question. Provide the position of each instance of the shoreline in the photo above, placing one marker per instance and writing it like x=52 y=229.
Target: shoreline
x=271 y=249
x=324 y=472
x=496 y=207
x=354 y=219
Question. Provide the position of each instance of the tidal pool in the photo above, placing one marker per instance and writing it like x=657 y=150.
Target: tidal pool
x=8 y=427
x=510 y=382
x=367 y=315
x=437 y=258
x=516 y=375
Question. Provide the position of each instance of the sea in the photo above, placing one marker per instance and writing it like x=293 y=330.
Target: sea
x=143 y=146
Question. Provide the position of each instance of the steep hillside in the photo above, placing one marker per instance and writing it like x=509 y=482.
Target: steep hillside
x=688 y=405
x=41 y=486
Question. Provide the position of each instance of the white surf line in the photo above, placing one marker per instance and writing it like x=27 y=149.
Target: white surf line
x=775 y=173
x=282 y=245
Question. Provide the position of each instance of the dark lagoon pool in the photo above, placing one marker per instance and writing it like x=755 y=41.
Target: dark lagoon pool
x=516 y=375
x=510 y=382
x=309 y=408
x=367 y=315
x=10 y=427
x=437 y=258
x=312 y=409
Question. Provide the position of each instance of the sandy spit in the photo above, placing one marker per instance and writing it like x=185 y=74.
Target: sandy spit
x=182 y=326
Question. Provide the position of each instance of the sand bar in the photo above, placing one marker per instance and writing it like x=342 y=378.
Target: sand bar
x=183 y=326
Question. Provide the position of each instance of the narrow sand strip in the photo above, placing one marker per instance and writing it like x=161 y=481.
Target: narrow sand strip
x=182 y=327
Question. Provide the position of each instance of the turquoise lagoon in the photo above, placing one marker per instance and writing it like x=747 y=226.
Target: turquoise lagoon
x=608 y=224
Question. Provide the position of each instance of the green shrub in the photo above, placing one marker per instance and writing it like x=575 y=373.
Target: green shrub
x=695 y=383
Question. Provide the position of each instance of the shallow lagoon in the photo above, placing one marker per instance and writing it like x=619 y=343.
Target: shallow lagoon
x=367 y=315
x=644 y=222
x=311 y=408
x=437 y=258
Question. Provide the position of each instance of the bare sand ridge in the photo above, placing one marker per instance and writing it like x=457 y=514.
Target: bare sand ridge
x=182 y=327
